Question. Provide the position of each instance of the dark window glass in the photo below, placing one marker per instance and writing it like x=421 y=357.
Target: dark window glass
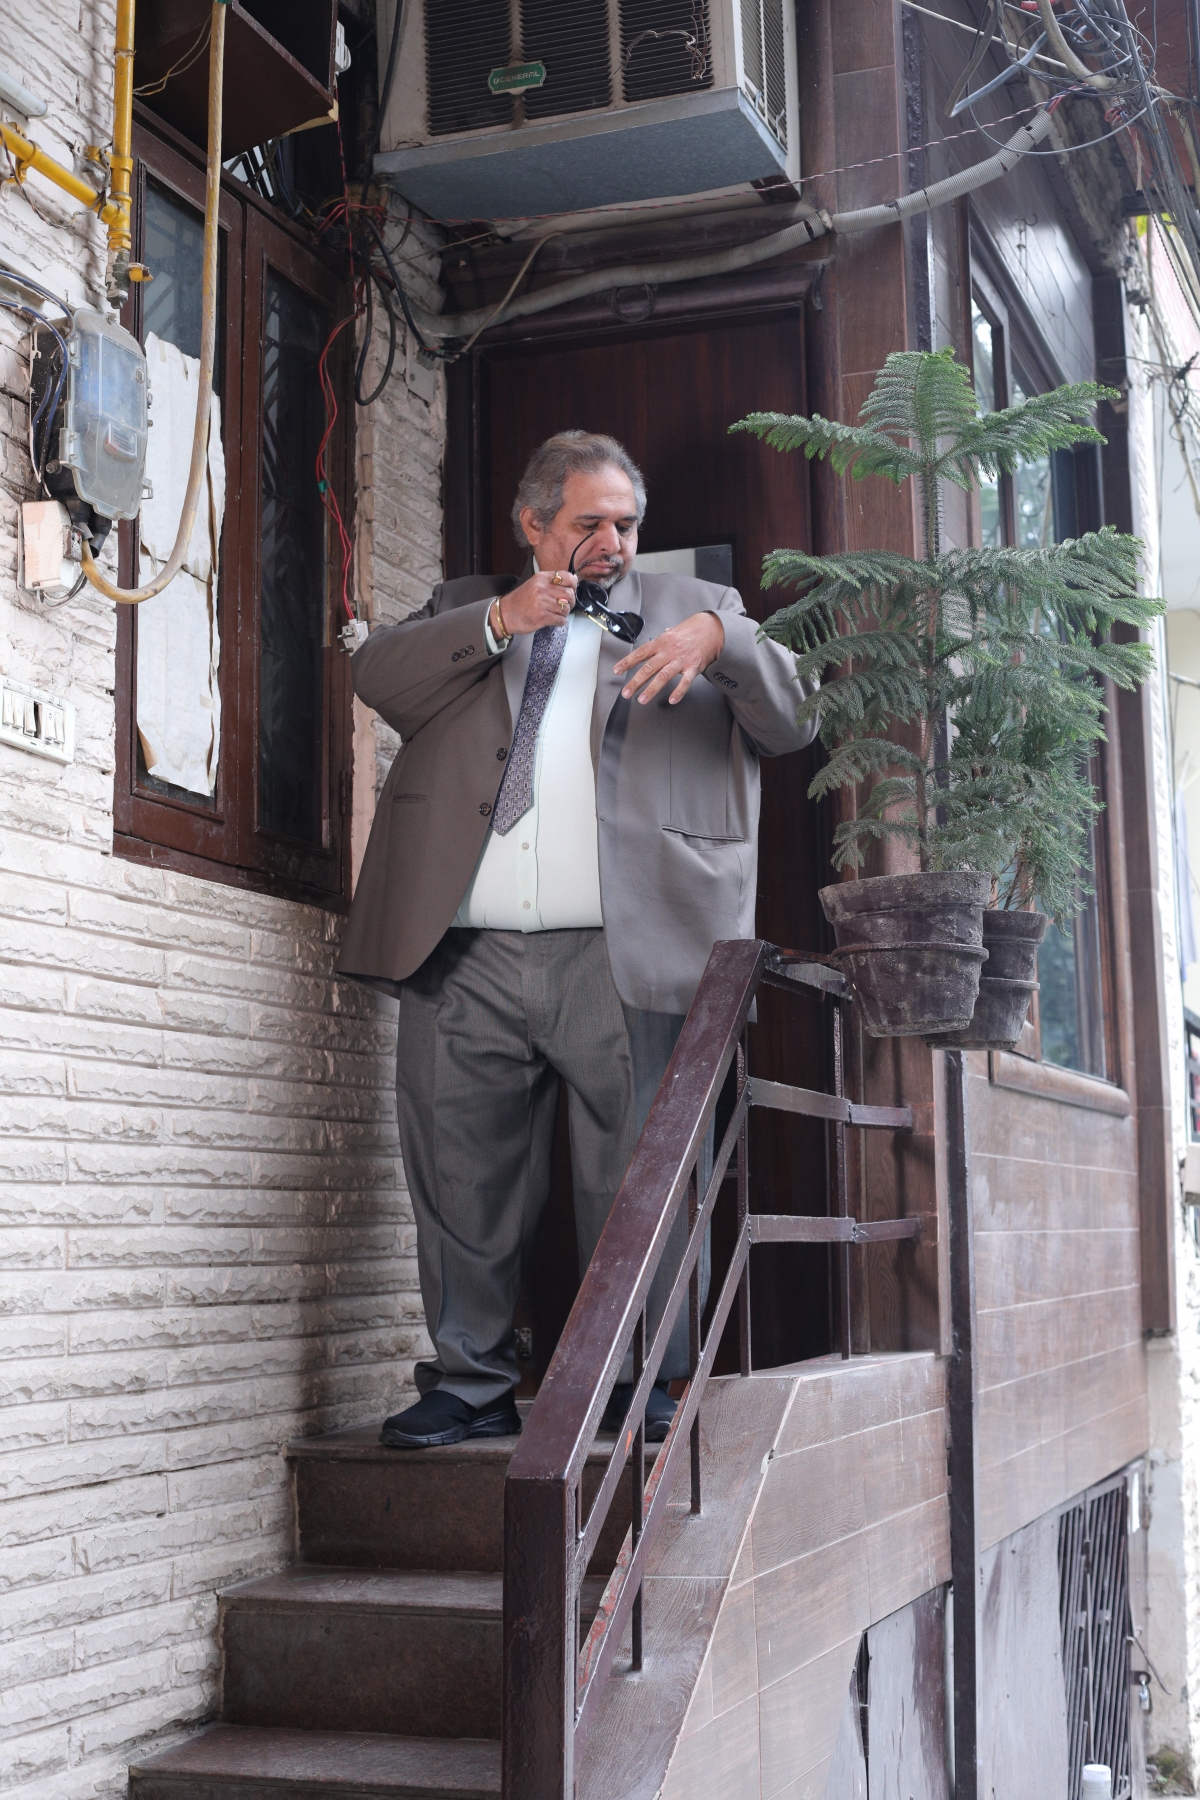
x=292 y=600
x=175 y=252
x=1070 y=1010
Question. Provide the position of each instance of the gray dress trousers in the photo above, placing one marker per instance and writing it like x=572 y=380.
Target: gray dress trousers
x=487 y=1026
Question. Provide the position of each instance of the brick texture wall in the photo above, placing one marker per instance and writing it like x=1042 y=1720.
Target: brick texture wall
x=205 y=1242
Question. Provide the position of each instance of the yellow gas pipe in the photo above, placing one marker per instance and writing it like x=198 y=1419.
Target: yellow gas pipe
x=116 y=213
x=114 y=209
x=198 y=469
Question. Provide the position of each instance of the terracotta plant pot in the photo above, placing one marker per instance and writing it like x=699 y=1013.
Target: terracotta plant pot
x=1006 y=986
x=913 y=947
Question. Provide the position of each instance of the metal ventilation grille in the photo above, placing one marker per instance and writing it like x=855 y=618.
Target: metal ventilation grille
x=464 y=41
x=665 y=48
x=1093 y=1604
x=571 y=38
x=764 y=79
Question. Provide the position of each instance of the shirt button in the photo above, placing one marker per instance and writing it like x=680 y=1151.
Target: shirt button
x=525 y=904
x=524 y=846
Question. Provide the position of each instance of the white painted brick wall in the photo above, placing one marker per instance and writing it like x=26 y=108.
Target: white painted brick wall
x=206 y=1246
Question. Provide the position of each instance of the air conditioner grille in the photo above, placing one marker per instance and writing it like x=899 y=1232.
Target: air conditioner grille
x=665 y=48
x=572 y=41
x=464 y=41
x=763 y=63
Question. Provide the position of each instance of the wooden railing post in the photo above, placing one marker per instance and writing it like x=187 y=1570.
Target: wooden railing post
x=540 y=1641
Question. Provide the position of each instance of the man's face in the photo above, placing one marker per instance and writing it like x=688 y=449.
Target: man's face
x=599 y=506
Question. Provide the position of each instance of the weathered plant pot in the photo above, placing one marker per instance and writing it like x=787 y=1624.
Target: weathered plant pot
x=913 y=947
x=1006 y=986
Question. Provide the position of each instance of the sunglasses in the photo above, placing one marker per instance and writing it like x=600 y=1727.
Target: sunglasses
x=591 y=600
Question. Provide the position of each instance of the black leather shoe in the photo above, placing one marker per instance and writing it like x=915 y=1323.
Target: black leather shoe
x=440 y=1418
x=660 y=1410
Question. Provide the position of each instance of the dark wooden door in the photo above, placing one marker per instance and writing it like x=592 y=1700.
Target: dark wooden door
x=669 y=395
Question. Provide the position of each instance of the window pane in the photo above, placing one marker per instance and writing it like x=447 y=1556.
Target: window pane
x=985 y=337
x=174 y=252
x=292 y=598
x=171 y=310
x=708 y=562
x=1069 y=1003
x=985 y=366
x=1033 y=487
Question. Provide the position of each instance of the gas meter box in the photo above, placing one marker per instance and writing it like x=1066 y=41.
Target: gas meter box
x=102 y=439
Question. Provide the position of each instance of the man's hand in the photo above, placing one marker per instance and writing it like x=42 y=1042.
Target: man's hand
x=545 y=599
x=684 y=650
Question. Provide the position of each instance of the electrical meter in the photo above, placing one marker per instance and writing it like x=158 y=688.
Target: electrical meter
x=103 y=431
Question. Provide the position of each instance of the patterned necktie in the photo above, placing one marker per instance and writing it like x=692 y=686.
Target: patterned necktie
x=516 y=789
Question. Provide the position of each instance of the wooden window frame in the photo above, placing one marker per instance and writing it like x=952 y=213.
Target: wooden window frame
x=224 y=842
x=983 y=287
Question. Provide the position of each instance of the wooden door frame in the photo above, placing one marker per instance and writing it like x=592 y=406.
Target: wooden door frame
x=783 y=293
x=729 y=300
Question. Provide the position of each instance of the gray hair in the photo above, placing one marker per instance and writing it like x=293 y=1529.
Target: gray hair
x=570 y=453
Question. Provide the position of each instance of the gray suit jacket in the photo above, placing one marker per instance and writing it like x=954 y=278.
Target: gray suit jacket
x=677 y=787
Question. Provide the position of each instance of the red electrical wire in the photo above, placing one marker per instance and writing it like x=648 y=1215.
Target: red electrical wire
x=329 y=499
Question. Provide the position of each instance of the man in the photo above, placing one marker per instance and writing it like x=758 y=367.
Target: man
x=568 y=828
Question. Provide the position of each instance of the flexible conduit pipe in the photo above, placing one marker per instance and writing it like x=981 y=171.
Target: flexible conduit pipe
x=743 y=256
x=198 y=471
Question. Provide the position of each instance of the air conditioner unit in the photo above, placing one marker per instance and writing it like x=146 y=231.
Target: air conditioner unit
x=512 y=108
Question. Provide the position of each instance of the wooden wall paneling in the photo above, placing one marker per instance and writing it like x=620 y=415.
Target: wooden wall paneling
x=1023 y=1718
x=847 y=1777
x=906 y=1702
x=799 y=1721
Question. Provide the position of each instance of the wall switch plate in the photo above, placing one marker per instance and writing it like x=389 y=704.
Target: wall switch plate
x=37 y=722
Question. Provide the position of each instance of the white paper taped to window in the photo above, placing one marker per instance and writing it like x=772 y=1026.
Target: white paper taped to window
x=178 y=642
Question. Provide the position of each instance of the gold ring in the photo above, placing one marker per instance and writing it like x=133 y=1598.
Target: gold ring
x=556 y=578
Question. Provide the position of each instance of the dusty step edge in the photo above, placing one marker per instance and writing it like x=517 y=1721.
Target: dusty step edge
x=270 y=1593
x=235 y=1755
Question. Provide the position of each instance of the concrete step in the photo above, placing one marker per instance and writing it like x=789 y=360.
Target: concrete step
x=237 y=1762
x=364 y=1506
x=356 y=1650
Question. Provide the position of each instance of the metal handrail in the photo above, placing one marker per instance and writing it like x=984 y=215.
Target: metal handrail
x=551 y=1684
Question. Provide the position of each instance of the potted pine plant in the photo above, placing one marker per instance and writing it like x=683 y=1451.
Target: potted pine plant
x=1031 y=762
x=934 y=673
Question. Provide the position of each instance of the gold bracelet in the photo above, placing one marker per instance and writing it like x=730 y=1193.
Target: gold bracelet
x=500 y=619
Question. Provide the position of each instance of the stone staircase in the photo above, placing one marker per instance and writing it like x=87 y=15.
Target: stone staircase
x=371 y=1666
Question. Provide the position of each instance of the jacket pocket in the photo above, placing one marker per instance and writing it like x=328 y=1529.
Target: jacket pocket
x=409 y=799
x=704 y=837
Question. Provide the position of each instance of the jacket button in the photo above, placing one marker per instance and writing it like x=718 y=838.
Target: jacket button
x=501 y=754
x=485 y=807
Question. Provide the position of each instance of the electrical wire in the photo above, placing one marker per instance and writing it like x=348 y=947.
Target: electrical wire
x=35 y=419
x=368 y=333
x=325 y=489
x=34 y=287
x=191 y=55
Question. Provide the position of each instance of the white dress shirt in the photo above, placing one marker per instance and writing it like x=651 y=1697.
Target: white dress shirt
x=544 y=874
